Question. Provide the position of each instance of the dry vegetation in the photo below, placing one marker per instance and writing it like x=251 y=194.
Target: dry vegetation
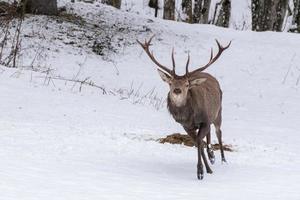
x=178 y=138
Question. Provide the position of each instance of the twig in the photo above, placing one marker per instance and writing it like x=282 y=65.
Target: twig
x=18 y=42
x=287 y=73
x=86 y=81
x=298 y=80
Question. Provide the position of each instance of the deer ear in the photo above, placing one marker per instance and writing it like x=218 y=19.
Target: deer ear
x=164 y=76
x=197 y=82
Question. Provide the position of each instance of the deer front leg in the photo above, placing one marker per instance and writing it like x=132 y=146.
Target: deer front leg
x=202 y=132
x=199 y=165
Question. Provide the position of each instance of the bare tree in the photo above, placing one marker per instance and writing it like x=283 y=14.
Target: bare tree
x=268 y=15
x=224 y=13
x=281 y=11
x=296 y=17
x=201 y=11
x=257 y=12
x=11 y=20
x=169 y=9
x=114 y=3
x=187 y=8
x=44 y=7
x=154 y=4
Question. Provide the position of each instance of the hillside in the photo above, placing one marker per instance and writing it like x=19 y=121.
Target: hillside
x=64 y=140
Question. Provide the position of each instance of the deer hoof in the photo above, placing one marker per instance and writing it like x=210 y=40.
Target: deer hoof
x=200 y=176
x=212 y=160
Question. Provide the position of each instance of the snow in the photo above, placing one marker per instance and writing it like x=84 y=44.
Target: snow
x=59 y=143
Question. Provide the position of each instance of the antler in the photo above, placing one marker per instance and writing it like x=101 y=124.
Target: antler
x=173 y=61
x=146 y=46
x=213 y=58
x=187 y=65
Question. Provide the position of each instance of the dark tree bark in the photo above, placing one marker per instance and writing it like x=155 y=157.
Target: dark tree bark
x=154 y=4
x=281 y=10
x=224 y=14
x=201 y=11
x=187 y=8
x=169 y=9
x=197 y=11
x=43 y=7
x=296 y=17
x=268 y=15
x=114 y=3
x=205 y=12
x=256 y=13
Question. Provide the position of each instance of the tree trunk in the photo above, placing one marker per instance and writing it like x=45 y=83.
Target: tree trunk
x=43 y=7
x=201 y=11
x=187 y=9
x=224 y=14
x=154 y=4
x=169 y=9
x=268 y=15
x=296 y=17
x=205 y=12
x=114 y=3
x=256 y=14
x=281 y=10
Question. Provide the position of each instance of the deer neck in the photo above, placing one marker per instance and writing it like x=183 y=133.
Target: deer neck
x=183 y=113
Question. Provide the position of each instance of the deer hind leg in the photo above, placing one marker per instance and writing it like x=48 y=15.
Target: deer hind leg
x=210 y=151
x=208 y=169
x=217 y=124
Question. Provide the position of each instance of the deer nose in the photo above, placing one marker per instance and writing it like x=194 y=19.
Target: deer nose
x=177 y=91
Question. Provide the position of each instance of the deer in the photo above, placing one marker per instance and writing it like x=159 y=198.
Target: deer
x=194 y=101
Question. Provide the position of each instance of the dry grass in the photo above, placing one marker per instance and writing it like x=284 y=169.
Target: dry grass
x=178 y=138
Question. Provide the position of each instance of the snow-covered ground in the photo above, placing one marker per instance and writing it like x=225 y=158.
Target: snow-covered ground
x=59 y=143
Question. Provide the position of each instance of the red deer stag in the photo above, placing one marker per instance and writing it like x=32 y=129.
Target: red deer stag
x=194 y=101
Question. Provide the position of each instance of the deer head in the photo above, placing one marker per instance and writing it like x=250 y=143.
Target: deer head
x=180 y=85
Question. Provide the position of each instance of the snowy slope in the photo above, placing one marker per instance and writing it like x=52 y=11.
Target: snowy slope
x=59 y=143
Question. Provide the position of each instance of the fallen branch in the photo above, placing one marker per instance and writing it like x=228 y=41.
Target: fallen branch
x=85 y=81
